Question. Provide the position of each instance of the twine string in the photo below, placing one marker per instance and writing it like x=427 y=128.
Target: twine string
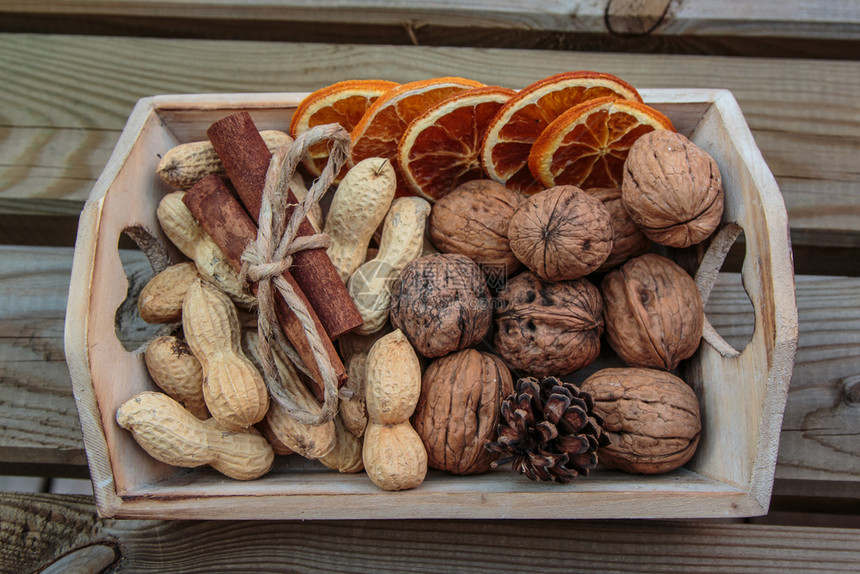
x=266 y=259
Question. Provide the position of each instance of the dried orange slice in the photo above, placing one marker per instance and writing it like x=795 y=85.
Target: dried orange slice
x=506 y=147
x=379 y=131
x=343 y=103
x=439 y=149
x=586 y=146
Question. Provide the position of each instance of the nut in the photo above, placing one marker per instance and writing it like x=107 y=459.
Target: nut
x=459 y=408
x=441 y=303
x=546 y=328
x=652 y=418
x=309 y=441
x=561 y=233
x=353 y=350
x=393 y=454
x=234 y=390
x=672 y=189
x=358 y=207
x=345 y=457
x=402 y=241
x=392 y=380
x=629 y=240
x=172 y=435
x=653 y=312
x=473 y=221
x=185 y=164
x=177 y=372
x=160 y=300
x=188 y=235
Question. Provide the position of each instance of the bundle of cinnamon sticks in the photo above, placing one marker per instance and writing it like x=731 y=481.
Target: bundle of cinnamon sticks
x=229 y=213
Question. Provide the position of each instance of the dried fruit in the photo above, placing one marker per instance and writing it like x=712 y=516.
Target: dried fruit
x=653 y=312
x=441 y=303
x=458 y=410
x=439 y=150
x=672 y=189
x=561 y=233
x=550 y=431
x=651 y=416
x=473 y=221
x=505 y=149
x=380 y=129
x=342 y=103
x=545 y=327
x=628 y=241
x=586 y=146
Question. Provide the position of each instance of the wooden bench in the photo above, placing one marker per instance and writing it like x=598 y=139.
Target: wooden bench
x=66 y=96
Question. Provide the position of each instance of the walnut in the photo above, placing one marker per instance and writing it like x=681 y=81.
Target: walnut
x=459 y=408
x=441 y=303
x=652 y=419
x=473 y=221
x=629 y=241
x=546 y=328
x=672 y=189
x=653 y=311
x=561 y=233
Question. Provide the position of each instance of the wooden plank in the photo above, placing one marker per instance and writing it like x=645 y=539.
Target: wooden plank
x=835 y=19
x=65 y=99
x=38 y=529
x=818 y=444
x=819 y=451
x=40 y=432
x=40 y=429
x=619 y=37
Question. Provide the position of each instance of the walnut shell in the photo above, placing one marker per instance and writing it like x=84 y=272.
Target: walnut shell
x=629 y=241
x=672 y=189
x=459 y=408
x=473 y=221
x=653 y=312
x=546 y=328
x=652 y=419
x=441 y=303
x=561 y=233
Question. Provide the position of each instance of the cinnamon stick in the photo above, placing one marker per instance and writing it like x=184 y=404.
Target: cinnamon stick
x=225 y=220
x=246 y=161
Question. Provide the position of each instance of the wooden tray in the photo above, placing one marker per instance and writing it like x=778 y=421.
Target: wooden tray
x=742 y=398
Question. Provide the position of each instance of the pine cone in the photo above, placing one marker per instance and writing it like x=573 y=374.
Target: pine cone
x=551 y=431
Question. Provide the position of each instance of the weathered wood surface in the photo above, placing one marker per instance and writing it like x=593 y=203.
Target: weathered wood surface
x=39 y=428
x=39 y=529
x=65 y=100
x=819 y=442
x=833 y=20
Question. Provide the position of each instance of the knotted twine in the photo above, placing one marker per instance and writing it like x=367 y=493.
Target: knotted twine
x=266 y=259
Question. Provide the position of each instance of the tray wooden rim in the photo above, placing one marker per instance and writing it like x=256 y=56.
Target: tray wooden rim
x=734 y=500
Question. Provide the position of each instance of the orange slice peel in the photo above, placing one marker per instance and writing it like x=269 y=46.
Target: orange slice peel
x=382 y=126
x=440 y=148
x=344 y=103
x=506 y=146
x=586 y=146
